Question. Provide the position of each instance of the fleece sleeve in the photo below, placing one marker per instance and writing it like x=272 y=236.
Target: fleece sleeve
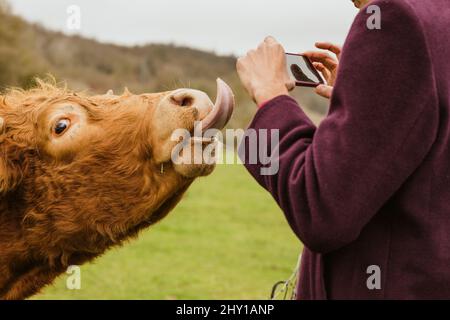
x=382 y=122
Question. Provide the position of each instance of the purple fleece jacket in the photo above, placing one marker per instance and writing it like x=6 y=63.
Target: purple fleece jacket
x=370 y=187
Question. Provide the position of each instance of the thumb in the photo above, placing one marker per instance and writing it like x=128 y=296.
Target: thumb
x=290 y=85
x=324 y=91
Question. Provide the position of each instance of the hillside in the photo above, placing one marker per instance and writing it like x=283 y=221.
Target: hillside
x=28 y=50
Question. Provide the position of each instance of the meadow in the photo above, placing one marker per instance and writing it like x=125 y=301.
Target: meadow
x=227 y=239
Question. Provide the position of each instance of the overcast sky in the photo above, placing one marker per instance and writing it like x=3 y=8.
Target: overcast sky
x=227 y=26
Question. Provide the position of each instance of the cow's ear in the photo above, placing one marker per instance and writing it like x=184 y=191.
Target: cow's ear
x=11 y=162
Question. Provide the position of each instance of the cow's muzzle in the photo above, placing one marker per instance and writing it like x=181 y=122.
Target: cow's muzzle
x=211 y=116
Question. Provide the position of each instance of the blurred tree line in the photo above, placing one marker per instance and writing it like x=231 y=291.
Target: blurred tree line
x=18 y=64
x=29 y=50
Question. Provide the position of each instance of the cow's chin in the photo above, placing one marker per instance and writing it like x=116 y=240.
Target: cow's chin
x=194 y=170
x=198 y=163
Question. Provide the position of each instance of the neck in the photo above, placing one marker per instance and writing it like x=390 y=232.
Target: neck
x=21 y=274
x=30 y=261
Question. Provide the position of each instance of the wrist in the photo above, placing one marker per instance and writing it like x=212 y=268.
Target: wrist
x=263 y=96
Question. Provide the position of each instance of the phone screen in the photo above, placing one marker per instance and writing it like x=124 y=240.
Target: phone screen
x=302 y=71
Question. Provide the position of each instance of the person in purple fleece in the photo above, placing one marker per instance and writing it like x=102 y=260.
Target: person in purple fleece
x=367 y=191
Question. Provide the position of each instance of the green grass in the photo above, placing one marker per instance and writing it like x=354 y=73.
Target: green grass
x=227 y=239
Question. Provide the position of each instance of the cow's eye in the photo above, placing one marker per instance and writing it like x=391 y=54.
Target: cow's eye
x=61 y=126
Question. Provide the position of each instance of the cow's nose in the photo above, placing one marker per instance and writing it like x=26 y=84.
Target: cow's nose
x=189 y=98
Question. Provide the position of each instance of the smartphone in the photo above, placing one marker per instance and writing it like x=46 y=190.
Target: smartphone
x=301 y=69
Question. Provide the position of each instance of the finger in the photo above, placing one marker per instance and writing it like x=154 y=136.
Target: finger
x=270 y=40
x=319 y=66
x=336 y=49
x=323 y=70
x=251 y=53
x=319 y=55
x=264 y=44
x=240 y=64
x=322 y=57
x=324 y=91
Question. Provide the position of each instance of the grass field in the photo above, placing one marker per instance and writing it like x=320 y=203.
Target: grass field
x=226 y=239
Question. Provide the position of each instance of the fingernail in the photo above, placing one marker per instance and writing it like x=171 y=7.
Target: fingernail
x=320 y=88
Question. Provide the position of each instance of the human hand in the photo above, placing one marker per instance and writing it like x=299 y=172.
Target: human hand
x=326 y=64
x=263 y=72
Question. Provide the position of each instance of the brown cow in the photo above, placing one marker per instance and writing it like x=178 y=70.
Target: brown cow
x=80 y=174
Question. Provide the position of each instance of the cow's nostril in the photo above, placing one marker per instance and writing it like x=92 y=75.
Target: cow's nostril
x=183 y=99
x=187 y=102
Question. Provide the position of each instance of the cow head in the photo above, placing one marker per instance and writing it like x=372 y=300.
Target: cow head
x=80 y=173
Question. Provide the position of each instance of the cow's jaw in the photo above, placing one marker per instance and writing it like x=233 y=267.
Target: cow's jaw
x=198 y=153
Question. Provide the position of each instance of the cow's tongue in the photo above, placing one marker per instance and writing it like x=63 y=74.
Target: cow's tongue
x=223 y=108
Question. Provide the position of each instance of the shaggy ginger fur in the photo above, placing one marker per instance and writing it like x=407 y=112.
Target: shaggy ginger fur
x=66 y=198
